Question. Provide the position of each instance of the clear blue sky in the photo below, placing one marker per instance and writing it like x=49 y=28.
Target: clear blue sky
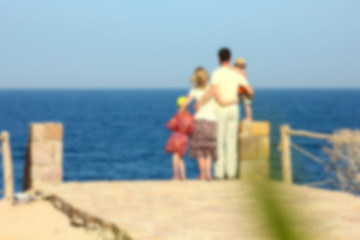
x=157 y=44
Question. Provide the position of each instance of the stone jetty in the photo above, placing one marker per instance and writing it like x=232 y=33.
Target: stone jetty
x=167 y=210
x=194 y=210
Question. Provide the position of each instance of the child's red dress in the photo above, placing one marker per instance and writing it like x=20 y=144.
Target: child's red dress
x=182 y=125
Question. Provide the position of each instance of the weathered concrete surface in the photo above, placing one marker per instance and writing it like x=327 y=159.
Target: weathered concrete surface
x=195 y=210
x=254 y=149
x=38 y=221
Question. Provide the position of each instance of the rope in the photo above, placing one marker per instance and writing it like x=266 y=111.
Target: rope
x=80 y=218
x=310 y=134
x=306 y=153
x=315 y=184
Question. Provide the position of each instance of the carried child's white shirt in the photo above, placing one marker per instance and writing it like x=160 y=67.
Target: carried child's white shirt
x=206 y=112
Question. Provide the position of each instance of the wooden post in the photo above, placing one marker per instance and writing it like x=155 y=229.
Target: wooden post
x=7 y=167
x=286 y=154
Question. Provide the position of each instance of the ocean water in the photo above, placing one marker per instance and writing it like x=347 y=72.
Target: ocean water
x=120 y=134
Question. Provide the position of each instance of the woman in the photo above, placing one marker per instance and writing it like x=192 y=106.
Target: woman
x=203 y=143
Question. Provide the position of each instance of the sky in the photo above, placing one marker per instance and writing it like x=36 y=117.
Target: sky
x=157 y=44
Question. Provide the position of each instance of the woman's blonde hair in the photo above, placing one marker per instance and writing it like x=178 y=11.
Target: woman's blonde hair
x=200 y=78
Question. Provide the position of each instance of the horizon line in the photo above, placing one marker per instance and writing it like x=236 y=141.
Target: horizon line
x=168 y=88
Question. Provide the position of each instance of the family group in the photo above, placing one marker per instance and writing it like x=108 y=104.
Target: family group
x=213 y=128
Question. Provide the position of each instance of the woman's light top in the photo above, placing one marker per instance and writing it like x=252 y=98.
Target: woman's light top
x=206 y=112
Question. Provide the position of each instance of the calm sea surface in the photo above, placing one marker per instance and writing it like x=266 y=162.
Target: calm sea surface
x=120 y=134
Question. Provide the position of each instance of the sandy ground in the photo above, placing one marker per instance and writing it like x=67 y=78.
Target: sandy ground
x=38 y=221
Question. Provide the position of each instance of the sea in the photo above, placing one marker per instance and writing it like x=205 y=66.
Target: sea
x=120 y=134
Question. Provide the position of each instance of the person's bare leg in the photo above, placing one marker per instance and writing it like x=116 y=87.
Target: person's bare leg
x=201 y=168
x=248 y=112
x=175 y=166
x=204 y=168
x=208 y=168
x=182 y=168
x=244 y=125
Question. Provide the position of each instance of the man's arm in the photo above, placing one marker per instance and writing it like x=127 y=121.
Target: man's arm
x=221 y=101
x=209 y=93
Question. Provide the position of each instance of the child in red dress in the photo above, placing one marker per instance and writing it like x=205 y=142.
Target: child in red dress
x=182 y=126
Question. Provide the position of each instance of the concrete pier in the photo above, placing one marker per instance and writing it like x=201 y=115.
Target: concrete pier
x=195 y=210
x=171 y=210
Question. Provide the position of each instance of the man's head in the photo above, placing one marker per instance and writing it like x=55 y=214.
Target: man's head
x=240 y=63
x=224 y=55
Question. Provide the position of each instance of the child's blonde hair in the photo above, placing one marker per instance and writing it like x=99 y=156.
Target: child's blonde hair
x=200 y=78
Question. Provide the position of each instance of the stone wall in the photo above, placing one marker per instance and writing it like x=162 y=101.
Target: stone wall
x=254 y=150
x=44 y=155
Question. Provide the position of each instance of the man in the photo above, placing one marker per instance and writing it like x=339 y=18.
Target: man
x=225 y=83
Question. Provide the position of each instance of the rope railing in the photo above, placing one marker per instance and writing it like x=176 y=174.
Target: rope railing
x=306 y=153
x=308 y=134
x=106 y=230
x=320 y=183
x=285 y=148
